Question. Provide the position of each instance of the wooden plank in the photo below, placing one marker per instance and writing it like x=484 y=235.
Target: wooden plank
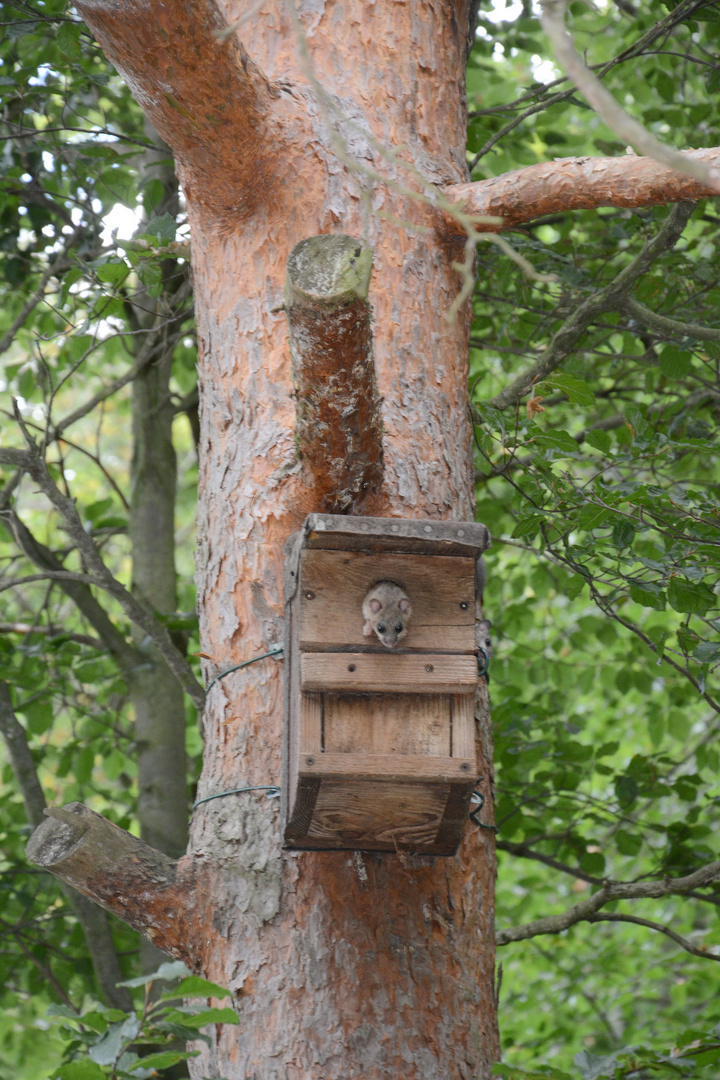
x=431 y=673
x=387 y=724
x=463 y=726
x=302 y=811
x=372 y=815
x=333 y=585
x=311 y=709
x=455 y=818
x=419 y=535
x=388 y=767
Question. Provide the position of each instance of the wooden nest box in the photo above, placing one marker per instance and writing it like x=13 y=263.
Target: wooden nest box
x=380 y=742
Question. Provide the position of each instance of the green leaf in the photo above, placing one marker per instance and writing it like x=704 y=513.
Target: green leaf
x=599 y=439
x=690 y=599
x=555 y=440
x=674 y=363
x=707 y=652
x=649 y=595
x=628 y=843
x=626 y=789
x=194 y=986
x=68 y=39
x=163 y=1059
x=81 y=1070
x=578 y=391
x=623 y=534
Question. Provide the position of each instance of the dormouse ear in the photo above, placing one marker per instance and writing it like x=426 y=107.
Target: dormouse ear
x=485 y=624
x=375 y=606
x=404 y=604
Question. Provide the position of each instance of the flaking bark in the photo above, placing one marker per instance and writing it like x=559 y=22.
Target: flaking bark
x=338 y=423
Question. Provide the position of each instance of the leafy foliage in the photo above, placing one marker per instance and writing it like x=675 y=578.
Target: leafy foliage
x=601 y=490
x=105 y=1043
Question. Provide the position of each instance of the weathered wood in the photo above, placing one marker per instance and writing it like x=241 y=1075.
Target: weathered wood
x=369 y=813
x=150 y=891
x=413 y=535
x=431 y=673
x=334 y=584
x=388 y=767
x=311 y=724
x=338 y=423
x=387 y=724
x=462 y=741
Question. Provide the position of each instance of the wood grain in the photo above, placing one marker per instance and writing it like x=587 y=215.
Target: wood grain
x=370 y=814
x=333 y=585
x=388 y=724
x=431 y=673
x=462 y=743
x=388 y=767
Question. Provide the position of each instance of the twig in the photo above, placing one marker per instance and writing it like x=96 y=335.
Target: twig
x=33 y=464
x=607 y=299
x=610 y=891
x=677 y=938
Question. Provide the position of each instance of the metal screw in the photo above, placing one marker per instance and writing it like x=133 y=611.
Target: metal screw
x=351 y=667
x=309 y=595
x=464 y=605
x=464 y=766
x=429 y=667
x=309 y=760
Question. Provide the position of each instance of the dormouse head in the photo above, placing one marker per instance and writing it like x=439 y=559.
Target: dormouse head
x=387 y=610
x=390 y=623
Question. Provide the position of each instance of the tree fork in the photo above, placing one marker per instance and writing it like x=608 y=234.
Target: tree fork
x=338 y=424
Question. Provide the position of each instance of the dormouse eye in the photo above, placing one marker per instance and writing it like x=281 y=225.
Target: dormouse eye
x=381 y=627
x=398 y=628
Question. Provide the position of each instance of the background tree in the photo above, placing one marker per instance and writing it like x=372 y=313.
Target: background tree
x=612 y=485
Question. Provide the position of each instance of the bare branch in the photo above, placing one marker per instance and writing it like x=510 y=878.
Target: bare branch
x=611 y=891
x=569 y=184
x=93 y=921
x=140 y=885
x=608 y=299
x=33 y=464
x=683 y=942
x=629 y=129
x=661 y=324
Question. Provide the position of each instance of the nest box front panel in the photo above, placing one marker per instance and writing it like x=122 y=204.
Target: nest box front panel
x=380 y=742
x=334 y=583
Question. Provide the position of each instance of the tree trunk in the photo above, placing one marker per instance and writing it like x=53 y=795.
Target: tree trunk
x=342 y=965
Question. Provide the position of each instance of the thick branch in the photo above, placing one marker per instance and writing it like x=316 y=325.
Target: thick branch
x=93 y=921
x=583 y=912
x=338 y=425
x=610 y=298
x=555 y=187
x=148 y=890
x=204 y=95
